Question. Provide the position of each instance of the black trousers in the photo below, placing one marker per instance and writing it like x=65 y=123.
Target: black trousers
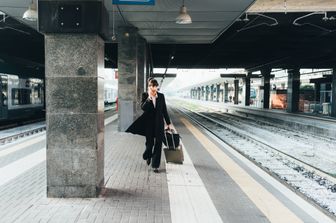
x=154 y=153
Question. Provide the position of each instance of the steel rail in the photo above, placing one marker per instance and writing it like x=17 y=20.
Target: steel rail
x=297 y=161
x=11 y=138
x=266 y=169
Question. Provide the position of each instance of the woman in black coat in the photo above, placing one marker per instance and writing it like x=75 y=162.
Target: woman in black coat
x=151 y=123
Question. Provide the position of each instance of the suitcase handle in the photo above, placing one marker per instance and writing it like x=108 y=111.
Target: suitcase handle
x=173 y=131
x=169 y=129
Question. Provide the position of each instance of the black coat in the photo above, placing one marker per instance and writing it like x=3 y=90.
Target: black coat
x=150 y=123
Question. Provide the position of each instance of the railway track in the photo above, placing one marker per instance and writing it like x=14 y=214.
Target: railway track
x=15 y=136
x=301 y=177
x=12 y=138
x=272 y=126
x=303 y=143
x=14 y=124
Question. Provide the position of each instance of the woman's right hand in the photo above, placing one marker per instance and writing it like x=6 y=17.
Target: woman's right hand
x=149 y=93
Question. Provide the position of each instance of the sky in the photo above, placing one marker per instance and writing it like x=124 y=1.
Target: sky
x=188 y=77
x=184 y=77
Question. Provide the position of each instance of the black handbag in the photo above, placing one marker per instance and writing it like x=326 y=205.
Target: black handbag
x=171 y=139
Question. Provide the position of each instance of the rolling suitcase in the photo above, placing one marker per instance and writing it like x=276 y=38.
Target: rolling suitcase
x=173 y=151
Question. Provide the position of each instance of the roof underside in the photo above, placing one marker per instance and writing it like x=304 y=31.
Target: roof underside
x=209 y=19
x=254 y=46
x=251 y=44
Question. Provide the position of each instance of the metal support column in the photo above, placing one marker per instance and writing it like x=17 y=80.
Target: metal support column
x=333 y=94
x=266 y=73
x=198 y=93
x=226 y=92
x=317 y=95
x=203 y=93
x=247 y=90
x=211 y=92
x=236 y=91
x=293 y=90
x=217 y=92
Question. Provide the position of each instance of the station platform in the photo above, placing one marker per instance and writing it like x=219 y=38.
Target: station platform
x=315 y=124
x=214 y=184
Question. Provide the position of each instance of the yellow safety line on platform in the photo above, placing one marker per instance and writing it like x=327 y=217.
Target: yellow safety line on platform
x=272 y=208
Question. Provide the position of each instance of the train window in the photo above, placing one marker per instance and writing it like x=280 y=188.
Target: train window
x=21 y=96
x=3 y=89
x=253 y=93
x=36 y=94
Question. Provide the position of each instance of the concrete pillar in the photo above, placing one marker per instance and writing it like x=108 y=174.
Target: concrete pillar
x=333 y=94
x=141 y=72
x=217 y=92
x=265 y=80
x=236 y=91
x=247 y=90
x=127 y=82
x=147 y=61
x=226 y=92
x=75 y=114
x=293 y=90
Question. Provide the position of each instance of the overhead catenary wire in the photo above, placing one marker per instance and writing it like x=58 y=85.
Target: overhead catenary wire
x=122 y=16
x=214 y=45
x=275 y=21
x=171 y=58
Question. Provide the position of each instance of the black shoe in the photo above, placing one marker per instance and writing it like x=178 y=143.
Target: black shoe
x=144 y=156
x=148 y=161
x=156 y=170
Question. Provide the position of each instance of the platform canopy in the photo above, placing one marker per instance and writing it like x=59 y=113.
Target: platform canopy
x=156 y=23
x=223 y=34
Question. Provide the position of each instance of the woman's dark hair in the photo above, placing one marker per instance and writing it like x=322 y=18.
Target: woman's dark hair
x=152 y=81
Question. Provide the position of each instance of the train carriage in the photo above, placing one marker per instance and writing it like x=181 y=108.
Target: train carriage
x=22 y=98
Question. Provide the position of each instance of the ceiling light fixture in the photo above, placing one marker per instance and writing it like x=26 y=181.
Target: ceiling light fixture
x=325 y=18
x=31 y=13
x=183 y=17
x=275 y=21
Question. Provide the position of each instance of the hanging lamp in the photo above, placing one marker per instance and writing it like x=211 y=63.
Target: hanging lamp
x=183 y=17
x=31 y=13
